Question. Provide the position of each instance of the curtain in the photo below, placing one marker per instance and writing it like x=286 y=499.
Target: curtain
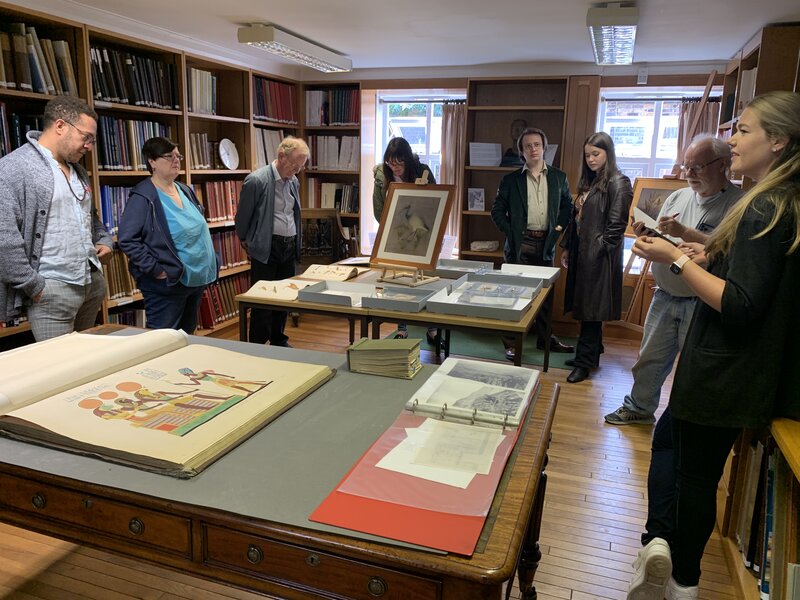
x=454 y=143
x=707 y=123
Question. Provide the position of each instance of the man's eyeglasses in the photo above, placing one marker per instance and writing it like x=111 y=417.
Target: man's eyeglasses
x=697 y=169
x=88 y=138
x=171 y=157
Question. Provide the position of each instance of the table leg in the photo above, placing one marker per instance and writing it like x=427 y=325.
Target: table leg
x=365 y=327
x=549 y=331
x=518 y=349
x=352 y=328
x=531 y=553
x=446 y=344
x=376 y=329
x=243 y=322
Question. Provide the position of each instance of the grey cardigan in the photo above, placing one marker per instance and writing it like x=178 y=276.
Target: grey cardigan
x=26 y=191
x=254 y=216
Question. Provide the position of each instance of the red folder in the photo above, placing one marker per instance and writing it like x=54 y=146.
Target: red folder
x=410 y=509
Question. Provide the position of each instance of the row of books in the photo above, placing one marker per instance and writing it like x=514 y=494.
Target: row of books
x=119 y=282
x=132 y=317
x=228 y=248
x=341 y=196
x=218 y=303
x=119 y=76
x=220 y=198
x=119 y=142
x=274 y=101
x=329 y=152
x=202 y=91
x=338 y=106
x=267 y=142
x=32 y=65
x=14 y=128
x=204 y=153
x=112 y=204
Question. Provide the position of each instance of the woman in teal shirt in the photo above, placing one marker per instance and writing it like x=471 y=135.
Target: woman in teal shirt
x=165 y=236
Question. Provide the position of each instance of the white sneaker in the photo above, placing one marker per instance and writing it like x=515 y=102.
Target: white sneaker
x=676 y=591
x=651 y=571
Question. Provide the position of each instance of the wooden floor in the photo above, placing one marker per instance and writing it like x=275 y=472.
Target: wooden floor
x=594 y=514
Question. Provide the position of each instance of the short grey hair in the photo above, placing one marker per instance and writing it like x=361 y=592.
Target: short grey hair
x=719 y=147
x=291 y=144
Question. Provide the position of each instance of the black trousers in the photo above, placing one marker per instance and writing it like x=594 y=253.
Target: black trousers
x=531 y=253
x=590 y=345
x=268 y=325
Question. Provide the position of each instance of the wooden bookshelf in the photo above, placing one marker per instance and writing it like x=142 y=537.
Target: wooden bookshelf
x=493 y=104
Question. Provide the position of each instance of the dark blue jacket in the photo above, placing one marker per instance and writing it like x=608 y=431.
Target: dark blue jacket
x=144 y=234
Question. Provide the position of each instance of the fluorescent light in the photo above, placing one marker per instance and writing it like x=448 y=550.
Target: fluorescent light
x=612 y=30
x=275 y=40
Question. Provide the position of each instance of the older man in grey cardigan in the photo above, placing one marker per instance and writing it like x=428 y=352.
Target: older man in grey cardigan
x=51 y=241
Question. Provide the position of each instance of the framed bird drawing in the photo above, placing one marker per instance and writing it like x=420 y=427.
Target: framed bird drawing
x=412 y=225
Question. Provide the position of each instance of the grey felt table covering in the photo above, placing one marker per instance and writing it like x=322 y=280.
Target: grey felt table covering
x=280 y=474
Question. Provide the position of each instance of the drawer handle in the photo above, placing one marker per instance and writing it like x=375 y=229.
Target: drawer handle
x=87 y=503
x=377 y=587
x=254 y=554
x=136 y=526
x=39 y=501
x=313 y=560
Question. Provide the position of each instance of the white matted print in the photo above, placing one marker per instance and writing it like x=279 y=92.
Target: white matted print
x=413 y=225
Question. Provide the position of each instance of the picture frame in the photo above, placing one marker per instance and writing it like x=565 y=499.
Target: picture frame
x=476 y=200
x=650 y=193
x=412 y=225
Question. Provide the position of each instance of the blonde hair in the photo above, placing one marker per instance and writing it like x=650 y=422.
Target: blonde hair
x=291 y=144
x=778 y=114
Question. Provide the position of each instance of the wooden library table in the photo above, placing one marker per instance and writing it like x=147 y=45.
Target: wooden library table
x=516 y=330
x=244 y=520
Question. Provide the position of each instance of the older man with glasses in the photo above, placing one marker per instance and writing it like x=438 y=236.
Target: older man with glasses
x=51 y=240
x=269 y=228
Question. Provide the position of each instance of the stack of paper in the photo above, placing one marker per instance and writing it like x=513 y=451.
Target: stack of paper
x=389 y=357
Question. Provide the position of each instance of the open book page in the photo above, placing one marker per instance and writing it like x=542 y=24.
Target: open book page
x=33 y=372
x=284 y=289
x=331 y=272
x=485 y=392
x=640 y=215
x=182 y=407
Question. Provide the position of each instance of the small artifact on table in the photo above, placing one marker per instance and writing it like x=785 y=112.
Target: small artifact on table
x=484 y=246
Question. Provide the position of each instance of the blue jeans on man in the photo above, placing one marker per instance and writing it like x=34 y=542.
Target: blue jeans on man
x=665 y=330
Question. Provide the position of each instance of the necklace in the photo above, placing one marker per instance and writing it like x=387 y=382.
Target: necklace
x=71 y=191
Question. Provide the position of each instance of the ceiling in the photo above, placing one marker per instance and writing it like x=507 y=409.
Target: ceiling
x=477 y=35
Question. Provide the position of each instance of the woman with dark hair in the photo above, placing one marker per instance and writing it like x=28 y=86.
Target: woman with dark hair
x=594 y=248
x=738 y=366
x=167 y=242
x=400 y=164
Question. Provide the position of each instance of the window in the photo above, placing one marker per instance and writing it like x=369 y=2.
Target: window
x=644 y=129
x=418 y=119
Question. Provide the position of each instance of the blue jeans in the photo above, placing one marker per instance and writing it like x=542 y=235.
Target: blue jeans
x=664 y=333
x=170 y=306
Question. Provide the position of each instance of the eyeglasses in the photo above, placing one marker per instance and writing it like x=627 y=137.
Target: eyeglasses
x=395 y=162
x=88 y=138
x=171 y=157
x=699 y=168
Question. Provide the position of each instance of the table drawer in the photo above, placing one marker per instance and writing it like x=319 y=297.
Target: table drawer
x=312 y=571
x=151 y=528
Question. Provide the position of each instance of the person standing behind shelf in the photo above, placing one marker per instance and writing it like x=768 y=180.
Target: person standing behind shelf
x=594 y=249
x=400 y=165
x=531 y=209
x=52 y=243
x=738 y=368
x=268 y=226
x=165 y=236
x=688 y=215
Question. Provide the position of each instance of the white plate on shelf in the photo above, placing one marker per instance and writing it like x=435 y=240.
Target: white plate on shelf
x=228 y=154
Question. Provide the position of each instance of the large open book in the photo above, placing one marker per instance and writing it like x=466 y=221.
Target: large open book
x=150 y=401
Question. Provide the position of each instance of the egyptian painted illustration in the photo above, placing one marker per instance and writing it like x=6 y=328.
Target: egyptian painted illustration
x=175 y=407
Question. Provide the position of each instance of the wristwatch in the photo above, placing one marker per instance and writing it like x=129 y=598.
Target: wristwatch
x=677 y=266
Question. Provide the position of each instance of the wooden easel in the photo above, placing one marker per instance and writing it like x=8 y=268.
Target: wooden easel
x=400 y=275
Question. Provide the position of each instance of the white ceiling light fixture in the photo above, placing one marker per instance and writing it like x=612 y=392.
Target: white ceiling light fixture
x=612 y=29
x=280 y=42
